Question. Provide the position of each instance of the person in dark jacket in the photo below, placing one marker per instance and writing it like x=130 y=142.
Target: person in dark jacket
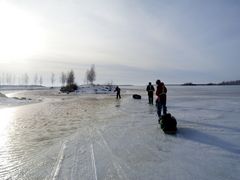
x=161 y=98
x=118 y=92
x=150 y=89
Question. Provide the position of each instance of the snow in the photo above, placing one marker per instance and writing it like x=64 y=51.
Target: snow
x=2 y=95
x=21 y=87
x=96 y=89
x=95 y=136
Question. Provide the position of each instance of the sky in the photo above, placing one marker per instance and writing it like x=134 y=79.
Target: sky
x=129 y=42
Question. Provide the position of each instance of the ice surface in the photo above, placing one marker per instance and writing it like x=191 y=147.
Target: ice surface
x=98 y=137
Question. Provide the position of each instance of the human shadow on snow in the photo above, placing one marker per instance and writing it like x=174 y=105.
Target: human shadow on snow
x=201 y=137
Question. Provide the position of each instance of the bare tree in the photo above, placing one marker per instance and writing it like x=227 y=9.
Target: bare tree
x=19 y=80
x=3 y=78
x=91 y=74
x=71 y=85
x=63 y=78
x=36 y=79
x=26 y=78
x=40 y=80
x=9 y=79
x=14 y=79
x=70 y=78
x=52 y=79
x=110 y=85
x=86 y=76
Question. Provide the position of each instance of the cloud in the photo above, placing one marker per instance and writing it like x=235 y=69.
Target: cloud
x=177 y=40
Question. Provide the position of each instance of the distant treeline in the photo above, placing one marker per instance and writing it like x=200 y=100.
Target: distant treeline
x=24 y=79
x=237 y=82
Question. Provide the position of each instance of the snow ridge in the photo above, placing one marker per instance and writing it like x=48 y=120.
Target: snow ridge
x=93 y=162
x=56 y=170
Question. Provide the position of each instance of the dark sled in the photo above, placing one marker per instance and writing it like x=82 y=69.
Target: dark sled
x=136 y=96
x=168 y=124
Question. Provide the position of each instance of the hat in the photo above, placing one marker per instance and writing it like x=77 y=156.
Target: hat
x=158 y=81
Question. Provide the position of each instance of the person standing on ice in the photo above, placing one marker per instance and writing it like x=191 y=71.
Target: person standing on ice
x=161 y=98
x=117 y=89
x=150 y=89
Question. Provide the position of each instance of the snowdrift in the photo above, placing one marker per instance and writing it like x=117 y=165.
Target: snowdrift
x=96 y=89
x=2 y=95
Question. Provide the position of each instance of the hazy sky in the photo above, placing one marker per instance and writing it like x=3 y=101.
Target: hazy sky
x=129 y=41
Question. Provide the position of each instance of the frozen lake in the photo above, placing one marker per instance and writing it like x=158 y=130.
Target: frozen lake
x=98 y=137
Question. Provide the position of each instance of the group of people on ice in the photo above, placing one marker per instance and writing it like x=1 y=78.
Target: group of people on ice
x=167 y=122
x=161 y=96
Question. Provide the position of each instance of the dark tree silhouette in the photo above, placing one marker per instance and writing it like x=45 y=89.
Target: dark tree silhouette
x=36 y=79
x=91 y=74
x=52 y=79
x=63 y=78
x=71 y=86
x=70 y=78
x=40 y=80
x=26 y=79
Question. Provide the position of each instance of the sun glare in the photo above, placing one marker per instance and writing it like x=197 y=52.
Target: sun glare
x=21 y=35
x=6 y=118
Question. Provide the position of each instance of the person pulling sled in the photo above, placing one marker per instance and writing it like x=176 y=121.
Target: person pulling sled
x=161 y=98
x=167 y=122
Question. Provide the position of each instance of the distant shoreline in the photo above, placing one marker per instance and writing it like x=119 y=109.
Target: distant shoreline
x=40 y=87
x=224 y=83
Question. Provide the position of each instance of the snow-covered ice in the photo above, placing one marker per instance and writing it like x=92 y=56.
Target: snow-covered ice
x=13 y=101
x=95 y=136
x=96 y=89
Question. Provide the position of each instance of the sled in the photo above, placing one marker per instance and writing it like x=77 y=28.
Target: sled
x=136 y=96
x=168 y=124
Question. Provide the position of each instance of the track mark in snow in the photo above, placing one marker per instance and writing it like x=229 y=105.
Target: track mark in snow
x=114 y=159
x=75 y=161
x=93 y=162
x=58 y=164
